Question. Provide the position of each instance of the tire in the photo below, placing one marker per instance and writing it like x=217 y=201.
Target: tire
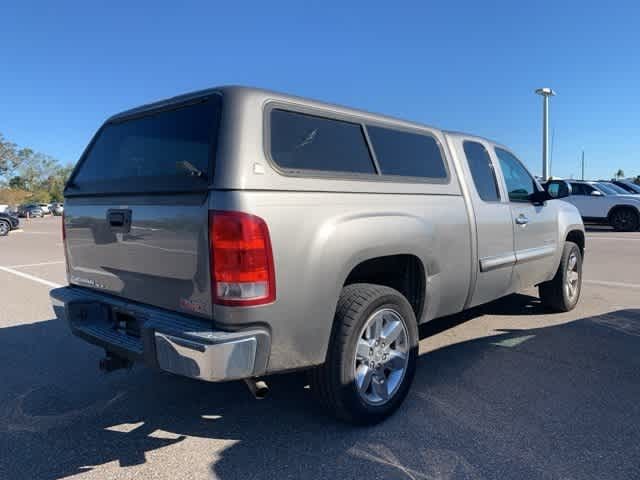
x=348 y=360
x=624 y=220
x=557 y=294
x=5 y=228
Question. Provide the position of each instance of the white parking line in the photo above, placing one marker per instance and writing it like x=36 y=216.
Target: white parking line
x=613 y=284
x=30 y=277
x=36 y=264
x=42 y=233
x=611 y=238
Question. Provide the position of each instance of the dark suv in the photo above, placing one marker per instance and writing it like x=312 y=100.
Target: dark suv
x=30 y=211
x=8 y=222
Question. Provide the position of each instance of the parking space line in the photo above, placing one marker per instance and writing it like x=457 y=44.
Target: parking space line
x=597 y=237
x=30 y=277
x=36 y=264
x=613 y=284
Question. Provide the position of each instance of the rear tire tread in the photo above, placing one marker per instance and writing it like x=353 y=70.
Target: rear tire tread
x=353 y=300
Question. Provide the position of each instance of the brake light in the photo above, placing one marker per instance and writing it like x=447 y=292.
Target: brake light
x=242 y=271
x=64 y=230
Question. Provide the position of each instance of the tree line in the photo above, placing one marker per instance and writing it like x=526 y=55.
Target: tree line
x=28 y=176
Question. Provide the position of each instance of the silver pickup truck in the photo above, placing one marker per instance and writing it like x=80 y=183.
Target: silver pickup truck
x=235 y=233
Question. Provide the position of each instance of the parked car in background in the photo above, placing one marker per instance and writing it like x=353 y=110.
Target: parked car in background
x=628 y=185
x=313 y=237
x=57 y=209
x=8 y=222
x=31 y=211
x=46 y=208
x=611 y=188
x=600 y=203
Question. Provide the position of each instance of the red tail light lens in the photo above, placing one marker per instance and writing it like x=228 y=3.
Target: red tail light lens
x=64 y=230
x=242 y=271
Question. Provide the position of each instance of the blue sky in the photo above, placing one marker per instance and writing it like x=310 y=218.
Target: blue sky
x=469 y=66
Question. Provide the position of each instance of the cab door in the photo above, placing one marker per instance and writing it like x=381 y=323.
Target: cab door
x=534 y=226
x=494 y=231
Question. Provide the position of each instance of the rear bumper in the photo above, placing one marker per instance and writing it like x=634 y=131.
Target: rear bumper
x=171 y=342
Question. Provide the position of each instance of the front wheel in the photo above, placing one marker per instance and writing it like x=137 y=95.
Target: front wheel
x=561 y=294
x=372 y=356
x=624 y=220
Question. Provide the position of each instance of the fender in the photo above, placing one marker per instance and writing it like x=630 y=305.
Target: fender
x=345 y=241
x=569 y=220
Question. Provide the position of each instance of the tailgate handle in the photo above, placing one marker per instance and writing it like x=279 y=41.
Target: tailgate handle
x=119 y=219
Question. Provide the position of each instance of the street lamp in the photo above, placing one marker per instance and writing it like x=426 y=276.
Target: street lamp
x=546 y=93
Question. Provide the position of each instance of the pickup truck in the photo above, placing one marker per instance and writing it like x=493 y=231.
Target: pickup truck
x=236 y=233
x=607 y=204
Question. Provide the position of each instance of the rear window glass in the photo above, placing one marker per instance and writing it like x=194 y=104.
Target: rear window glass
x=166 y=150
x=307 y=142
x=406 y=153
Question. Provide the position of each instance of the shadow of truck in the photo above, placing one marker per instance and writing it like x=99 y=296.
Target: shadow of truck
x=550 y=402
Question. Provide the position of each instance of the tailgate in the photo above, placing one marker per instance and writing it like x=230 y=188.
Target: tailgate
x=158 y=256
x=136 y=210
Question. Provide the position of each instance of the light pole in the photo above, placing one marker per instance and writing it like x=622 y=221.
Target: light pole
x=546 y=93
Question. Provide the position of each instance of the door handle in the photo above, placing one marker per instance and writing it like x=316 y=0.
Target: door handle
x=522 y=219
x=119 y=220
x=116 y=219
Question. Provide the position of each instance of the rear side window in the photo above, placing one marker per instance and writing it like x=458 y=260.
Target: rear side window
x=167 y=150
x=306 y=142
x=484 y=177
x=407 y=154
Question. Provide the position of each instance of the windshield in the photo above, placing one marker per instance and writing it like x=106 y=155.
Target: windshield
x=631 y=187
x=610 y=189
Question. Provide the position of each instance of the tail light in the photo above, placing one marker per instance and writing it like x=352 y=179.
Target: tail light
x=242 y=271
x=64 y=230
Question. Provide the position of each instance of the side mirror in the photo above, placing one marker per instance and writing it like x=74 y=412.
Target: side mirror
x=557 y=189
x=596 y=193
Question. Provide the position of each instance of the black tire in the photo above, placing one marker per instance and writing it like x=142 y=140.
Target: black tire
x=5 y=228
x=624 y=219
x=555 y=294
x=334 y=382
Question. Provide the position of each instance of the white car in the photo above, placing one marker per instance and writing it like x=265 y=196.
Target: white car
x=600 y=202
x=46 y=208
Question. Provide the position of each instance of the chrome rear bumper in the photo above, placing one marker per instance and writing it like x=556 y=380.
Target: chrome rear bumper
x=171 y=342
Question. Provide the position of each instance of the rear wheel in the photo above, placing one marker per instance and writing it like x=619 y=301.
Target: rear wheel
x=561 y=294
x=372 y=356
x=624 y=220
x=4 y=228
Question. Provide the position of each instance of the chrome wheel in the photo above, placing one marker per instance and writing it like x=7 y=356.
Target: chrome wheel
x=381 y=357
x=4 y=229
x=572 y=282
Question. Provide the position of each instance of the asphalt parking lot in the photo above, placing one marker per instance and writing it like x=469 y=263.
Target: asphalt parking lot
x=503 y=391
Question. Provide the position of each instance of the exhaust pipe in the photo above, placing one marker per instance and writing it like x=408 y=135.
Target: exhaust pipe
x=258 y=388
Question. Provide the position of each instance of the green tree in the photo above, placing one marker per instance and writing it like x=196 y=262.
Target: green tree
x=8 y=155
x=23 y=171
x=620 y=173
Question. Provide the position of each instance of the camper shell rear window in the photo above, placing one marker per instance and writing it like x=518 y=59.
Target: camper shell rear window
x=167 y=150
